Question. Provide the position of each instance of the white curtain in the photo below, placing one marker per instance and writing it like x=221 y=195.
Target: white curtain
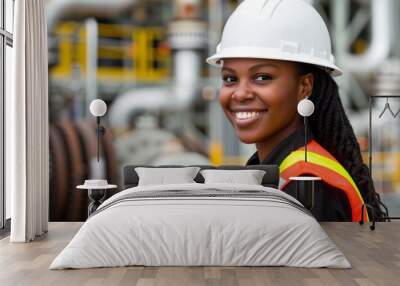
x=27 y=173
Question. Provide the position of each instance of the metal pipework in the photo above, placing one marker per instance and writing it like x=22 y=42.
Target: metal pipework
x=179 y=96
x=134 y=101
x=381 y=38
x=187 y=37
x=57 y=9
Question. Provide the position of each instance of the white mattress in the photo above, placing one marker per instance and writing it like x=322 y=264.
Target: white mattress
x=183 y=231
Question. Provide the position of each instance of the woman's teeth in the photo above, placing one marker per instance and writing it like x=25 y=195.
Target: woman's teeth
x=247 y=115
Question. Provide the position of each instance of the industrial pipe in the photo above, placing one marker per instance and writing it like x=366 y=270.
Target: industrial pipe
x=57 y=9
x=187 y=37
x=381 y=40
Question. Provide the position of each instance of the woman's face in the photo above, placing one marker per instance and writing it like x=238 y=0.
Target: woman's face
x=259 y=97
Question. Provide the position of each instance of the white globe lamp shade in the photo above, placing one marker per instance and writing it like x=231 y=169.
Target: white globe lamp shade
x=305 y=107
x=98 y=107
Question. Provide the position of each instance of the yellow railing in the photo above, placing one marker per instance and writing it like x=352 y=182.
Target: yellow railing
x=125 y=53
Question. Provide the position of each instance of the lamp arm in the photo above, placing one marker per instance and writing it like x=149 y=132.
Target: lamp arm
x=100 y=130
x=305 y=138
x=98 y=137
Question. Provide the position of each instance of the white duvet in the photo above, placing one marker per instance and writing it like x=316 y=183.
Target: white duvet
x=183 y=231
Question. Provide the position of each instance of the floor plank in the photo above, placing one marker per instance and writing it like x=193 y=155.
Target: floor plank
x=374 y=255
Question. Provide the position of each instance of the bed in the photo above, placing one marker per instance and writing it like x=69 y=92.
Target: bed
x=201 y=224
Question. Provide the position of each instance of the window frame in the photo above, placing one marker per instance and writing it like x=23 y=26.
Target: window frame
x=6 y=39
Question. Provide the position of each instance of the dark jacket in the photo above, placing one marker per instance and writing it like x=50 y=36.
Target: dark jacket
x=330 y=204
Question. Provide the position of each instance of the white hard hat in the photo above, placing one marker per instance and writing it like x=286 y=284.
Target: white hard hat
x=289 y=30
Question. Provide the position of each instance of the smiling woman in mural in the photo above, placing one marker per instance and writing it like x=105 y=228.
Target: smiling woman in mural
x=273 y=54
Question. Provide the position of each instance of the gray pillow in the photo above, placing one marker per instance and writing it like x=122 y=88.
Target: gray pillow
x=162 y=176
x=249 y=177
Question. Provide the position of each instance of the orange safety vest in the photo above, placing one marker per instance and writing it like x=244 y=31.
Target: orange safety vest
x=322 y=164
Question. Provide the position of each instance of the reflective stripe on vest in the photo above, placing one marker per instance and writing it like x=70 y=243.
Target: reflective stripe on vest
x=322 y=164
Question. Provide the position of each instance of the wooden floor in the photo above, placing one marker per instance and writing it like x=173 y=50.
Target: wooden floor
x=374 y=255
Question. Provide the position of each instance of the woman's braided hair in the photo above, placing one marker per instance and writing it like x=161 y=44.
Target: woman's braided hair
x=332 y=129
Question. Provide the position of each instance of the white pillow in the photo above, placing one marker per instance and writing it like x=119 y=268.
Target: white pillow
x=162 y=176
x=249 y=177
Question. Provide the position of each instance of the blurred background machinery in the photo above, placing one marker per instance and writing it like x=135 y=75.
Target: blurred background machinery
x=146 y=59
